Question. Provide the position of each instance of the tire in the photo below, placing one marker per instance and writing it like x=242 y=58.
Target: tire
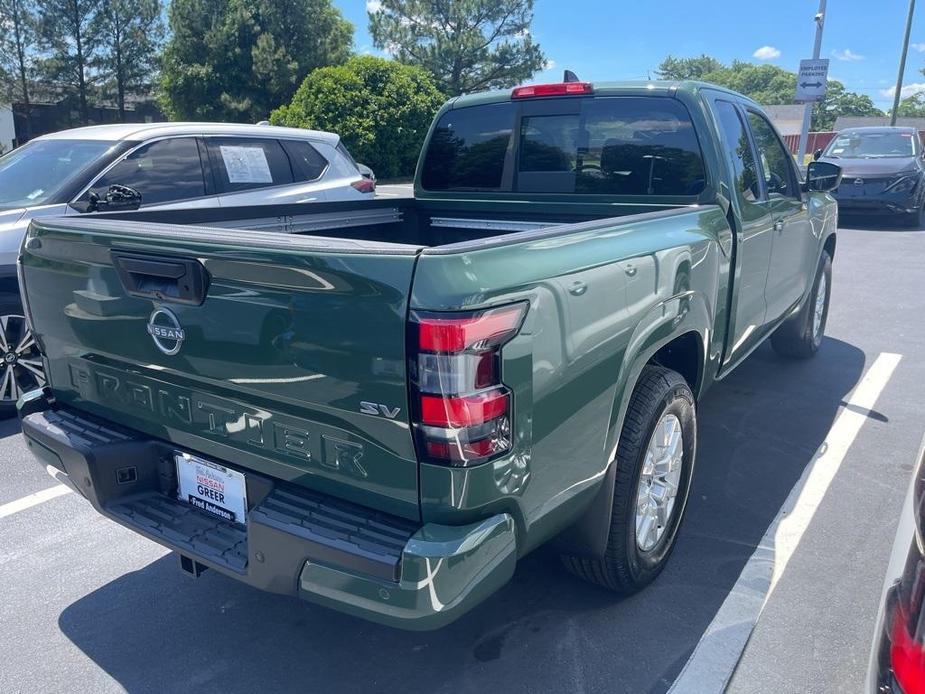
x=629 y=565
x=27 y=369
x=799 y=337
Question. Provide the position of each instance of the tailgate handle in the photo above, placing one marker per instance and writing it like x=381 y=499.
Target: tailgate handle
x=177 y=280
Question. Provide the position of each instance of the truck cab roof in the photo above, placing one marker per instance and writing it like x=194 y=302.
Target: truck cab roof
x=611 y=88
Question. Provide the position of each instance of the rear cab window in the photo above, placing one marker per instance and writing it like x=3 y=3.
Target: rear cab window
x=615 y=146
x=243 y=163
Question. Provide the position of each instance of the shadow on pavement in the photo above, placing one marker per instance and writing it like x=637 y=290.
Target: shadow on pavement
x=157 y=630
x=9 y=427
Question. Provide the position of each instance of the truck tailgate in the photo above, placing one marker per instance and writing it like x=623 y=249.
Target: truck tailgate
x=279 y=354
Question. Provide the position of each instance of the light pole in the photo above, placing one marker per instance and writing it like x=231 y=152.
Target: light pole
x=902 y=63
x=808 y=106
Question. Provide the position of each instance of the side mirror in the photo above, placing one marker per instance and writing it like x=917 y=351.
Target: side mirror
x=118 y=199
x=817 y=155
x=822 y=176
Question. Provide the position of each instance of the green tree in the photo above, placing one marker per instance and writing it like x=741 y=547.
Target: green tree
x=840 y=102
x=18 y=46
x=467 y=45
x=70 y=34
x=912 y=106
x=236 y=60
x=382 y=110
x=672 y=68
x=130 y=33
x=771 y=84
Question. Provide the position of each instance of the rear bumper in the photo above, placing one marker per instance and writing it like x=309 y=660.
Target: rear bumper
x=295 y=542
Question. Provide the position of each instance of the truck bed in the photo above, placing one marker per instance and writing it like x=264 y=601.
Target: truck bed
x=395 y=222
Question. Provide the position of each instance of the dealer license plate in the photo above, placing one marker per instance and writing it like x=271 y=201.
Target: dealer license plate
x=211 y=487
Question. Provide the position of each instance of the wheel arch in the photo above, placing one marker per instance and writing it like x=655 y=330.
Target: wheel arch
x=676 y=339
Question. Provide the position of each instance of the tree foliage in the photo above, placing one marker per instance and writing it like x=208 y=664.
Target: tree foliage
x=769 y=84
x=236 y=60
x=672 y=68
x=130 y=33
x=70 y=35
x=467 y=45
x=912 y=106
x=18 y=47
x=382 y=110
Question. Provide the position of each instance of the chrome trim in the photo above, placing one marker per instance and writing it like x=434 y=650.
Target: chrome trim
x=289 y=224
x=488 y=224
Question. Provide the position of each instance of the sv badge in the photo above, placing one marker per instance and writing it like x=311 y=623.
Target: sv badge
x=377 y=409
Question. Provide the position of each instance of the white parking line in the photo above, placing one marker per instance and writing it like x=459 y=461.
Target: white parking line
x=33 y=500
x=717 y=654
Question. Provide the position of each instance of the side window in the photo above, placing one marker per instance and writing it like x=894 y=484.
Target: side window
x=162 y=171
x=740 y=151
x=242 y=163
x=307 y=162
x=467 y=148
x=776 y=162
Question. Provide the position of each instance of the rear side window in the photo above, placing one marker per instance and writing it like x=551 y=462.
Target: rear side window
x=163 y=171
x=468 y=147
x=612 y=146
x=740 y=152
x=307 y=162
x=241 y=163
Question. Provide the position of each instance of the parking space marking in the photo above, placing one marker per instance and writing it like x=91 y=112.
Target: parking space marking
x=716 y=655
x=31 y=500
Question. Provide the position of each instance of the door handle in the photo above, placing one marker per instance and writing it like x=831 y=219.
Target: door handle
x=178 y=280
x=779 y=225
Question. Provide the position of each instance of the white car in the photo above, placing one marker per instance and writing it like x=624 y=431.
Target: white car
x=170 y=165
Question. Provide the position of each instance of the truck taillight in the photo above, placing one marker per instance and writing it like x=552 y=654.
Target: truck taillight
x=462 y=410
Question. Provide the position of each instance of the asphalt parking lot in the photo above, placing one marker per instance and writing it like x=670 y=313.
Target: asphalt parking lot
x=90 y=606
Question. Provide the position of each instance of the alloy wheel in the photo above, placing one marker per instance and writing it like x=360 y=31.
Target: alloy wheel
x=659 y=481
x=819 y=308
x=22 y=367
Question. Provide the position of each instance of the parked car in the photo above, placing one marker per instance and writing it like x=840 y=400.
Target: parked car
x=884 y=172
x=382 y=412
x=171 y=165
x=897 y=659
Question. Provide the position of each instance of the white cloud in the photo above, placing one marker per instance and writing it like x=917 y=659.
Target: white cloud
x=920 y=47
x=767 y=53
x=907 y=90
x=549 y=64
x=847 y=55
x=373 y=6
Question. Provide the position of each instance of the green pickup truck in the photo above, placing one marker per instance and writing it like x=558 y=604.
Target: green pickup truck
x=380 y=406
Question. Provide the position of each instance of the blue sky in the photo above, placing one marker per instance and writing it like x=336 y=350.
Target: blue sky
x=620 y=39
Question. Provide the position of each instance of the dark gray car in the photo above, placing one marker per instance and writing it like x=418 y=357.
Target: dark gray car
x=883 y=172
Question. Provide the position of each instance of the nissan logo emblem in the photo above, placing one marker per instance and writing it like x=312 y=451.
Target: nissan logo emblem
x=165 y=330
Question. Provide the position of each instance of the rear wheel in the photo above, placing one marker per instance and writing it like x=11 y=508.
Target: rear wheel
x=654 y=462
x=21 y=367
x=800 y=336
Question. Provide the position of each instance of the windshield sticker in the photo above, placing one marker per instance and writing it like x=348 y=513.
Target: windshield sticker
x=35 y=193
x=246 y=164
